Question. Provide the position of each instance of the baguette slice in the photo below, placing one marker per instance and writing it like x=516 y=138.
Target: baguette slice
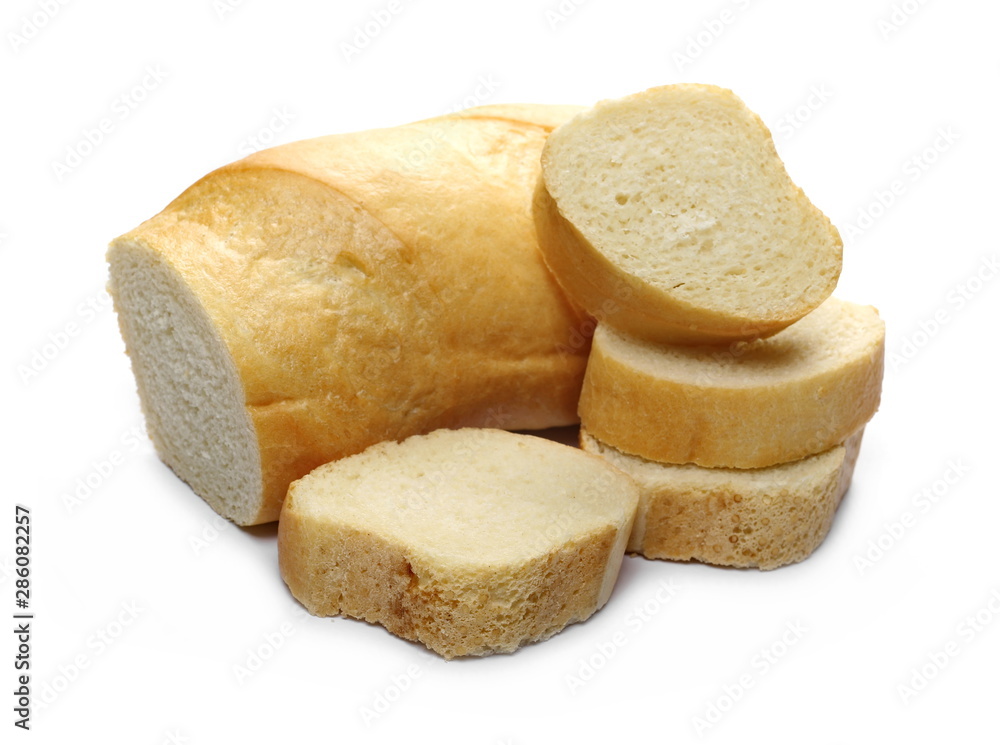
x=470 y=541
x=764 y=517
x=669 y=215
x=752 y=405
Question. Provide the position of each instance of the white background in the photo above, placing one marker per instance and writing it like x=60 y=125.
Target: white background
x=875 y=98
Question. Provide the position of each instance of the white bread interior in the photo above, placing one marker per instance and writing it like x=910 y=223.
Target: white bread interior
x=470 y=541
x=188 y=384
x=669 y=215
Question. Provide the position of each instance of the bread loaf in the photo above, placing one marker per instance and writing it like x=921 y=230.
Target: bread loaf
x=751 y=405
x=310 y=300
x=469 y=541
x=760 y=517
x=668 y=215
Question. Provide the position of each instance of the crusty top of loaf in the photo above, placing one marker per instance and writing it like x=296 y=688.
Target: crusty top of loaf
x=549 y=116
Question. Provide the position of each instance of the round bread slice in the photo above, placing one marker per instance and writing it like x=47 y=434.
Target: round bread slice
x=669 y=215
x=751 y=405
x=762 y=517
x=471 y=541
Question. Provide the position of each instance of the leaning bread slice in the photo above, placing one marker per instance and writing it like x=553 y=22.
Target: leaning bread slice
x=669 y=215
x=751 y=405
x=471 y=541
x=763 y=517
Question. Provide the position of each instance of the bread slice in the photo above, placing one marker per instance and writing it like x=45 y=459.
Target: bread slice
x=669 y=215
x=470 y=541
x=313 y=299
x=764 y=517
x=752 y=405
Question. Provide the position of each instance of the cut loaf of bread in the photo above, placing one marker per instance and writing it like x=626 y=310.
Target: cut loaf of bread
x=751 y=405
x=310 y=300
x=763 y=517
x=669 y=215
x=470 y=541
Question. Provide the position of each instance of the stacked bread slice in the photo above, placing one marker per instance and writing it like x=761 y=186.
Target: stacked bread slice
x=743 y=453
x=723 y=377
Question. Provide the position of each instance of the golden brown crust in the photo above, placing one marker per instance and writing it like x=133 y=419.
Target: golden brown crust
x=764 y=519
x=373 y=285
x=756 y=424
x=471 y=542
x=548 y=116
x=372 y=579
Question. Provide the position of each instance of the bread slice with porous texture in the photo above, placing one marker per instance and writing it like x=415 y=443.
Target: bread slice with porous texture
x=470 y=541
x=762 y=517
x=669 y=215
x=751 y=405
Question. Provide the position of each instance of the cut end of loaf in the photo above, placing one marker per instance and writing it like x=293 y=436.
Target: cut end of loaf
x=189 y=388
